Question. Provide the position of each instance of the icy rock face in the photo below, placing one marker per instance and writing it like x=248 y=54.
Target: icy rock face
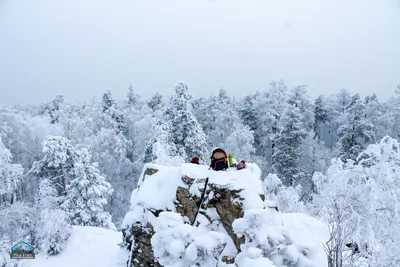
x=176 y=220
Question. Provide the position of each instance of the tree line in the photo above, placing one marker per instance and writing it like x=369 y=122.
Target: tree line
x=80 y=162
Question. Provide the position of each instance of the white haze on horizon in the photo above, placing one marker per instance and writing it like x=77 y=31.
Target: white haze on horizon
x=82 y=48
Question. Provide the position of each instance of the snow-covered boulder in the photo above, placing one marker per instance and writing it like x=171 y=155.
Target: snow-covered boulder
x=192 y=216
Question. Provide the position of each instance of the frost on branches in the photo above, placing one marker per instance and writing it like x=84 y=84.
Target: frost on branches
x=355 y=132
x=53 y=231
x=161 y=149
x=82 y=189
x=52 y=227
x=10 y=175
x=360 y=204
x=187 y=133
x=58 y=160
x=275 y=239
x=286 y=158
x=287 y=199
x=87 y=195
x=178 y=244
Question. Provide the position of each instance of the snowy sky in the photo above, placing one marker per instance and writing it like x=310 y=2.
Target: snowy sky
x=80 y=48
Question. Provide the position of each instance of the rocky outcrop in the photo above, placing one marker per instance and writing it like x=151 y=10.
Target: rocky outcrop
x=227 y=203
x=141 y=249
x=229 y=206
x=190 y=216
x=186 y=203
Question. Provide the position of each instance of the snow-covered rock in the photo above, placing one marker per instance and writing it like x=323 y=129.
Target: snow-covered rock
x=234 y=226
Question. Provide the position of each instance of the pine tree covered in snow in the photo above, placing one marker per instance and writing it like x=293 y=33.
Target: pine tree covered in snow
x=110 y=150
x=229 y=132
x=57 y=163
x=240 y=143
x=133 y=99
x=298 y=98
x=270 y=107
x=52 y=227
x=10 y=176
x=287 y=156
x=156 y=102
x=379 y=116
x=87 y=195
x=355 y=132
x=111 y=114
x=205 y=110
x=186 y=131
x=46 y=197
x=161 y=148
x=321 y=116
x=249 y=115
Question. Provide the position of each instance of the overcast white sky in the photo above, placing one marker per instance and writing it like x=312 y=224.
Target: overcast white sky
x=80 y=48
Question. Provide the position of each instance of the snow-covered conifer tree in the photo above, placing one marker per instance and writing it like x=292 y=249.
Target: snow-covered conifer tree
x=205 y=110
x=355 y=132
x=286 y=159
x=379 y=115
x=298 y=97
x=52 y=227
x=46 y=197
x=111 y=151
x=111 y=114
x=186 y=131
x=87 y=195
x=107 y=101
x=229 y=132
x=240 y=143
x=10 y=176
x=59 y=157
x=321 y=116
x=133 y=99
x=270 y=107
x=161 y=148
x=156 y=102
x=248 y=114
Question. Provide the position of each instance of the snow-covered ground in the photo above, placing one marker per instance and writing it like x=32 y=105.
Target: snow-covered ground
x=87 y=246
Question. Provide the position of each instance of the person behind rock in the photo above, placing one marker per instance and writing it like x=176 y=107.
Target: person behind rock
x=195 y=160
x=219 y=160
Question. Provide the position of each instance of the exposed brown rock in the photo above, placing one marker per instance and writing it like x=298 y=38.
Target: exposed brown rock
x=227 y=202
x=142 y=251
x=186 y=204
x=229 y=207
x=228 y=260
x=188 y=180
x=150 y=171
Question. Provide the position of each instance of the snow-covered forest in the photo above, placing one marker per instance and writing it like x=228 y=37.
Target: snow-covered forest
x=336 y=157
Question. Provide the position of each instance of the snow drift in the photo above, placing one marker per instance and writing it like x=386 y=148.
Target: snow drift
x=191 y=216
x=87 y=246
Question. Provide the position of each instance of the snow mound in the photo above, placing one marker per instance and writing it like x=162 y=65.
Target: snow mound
x=188 y=215
x=87 y=246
